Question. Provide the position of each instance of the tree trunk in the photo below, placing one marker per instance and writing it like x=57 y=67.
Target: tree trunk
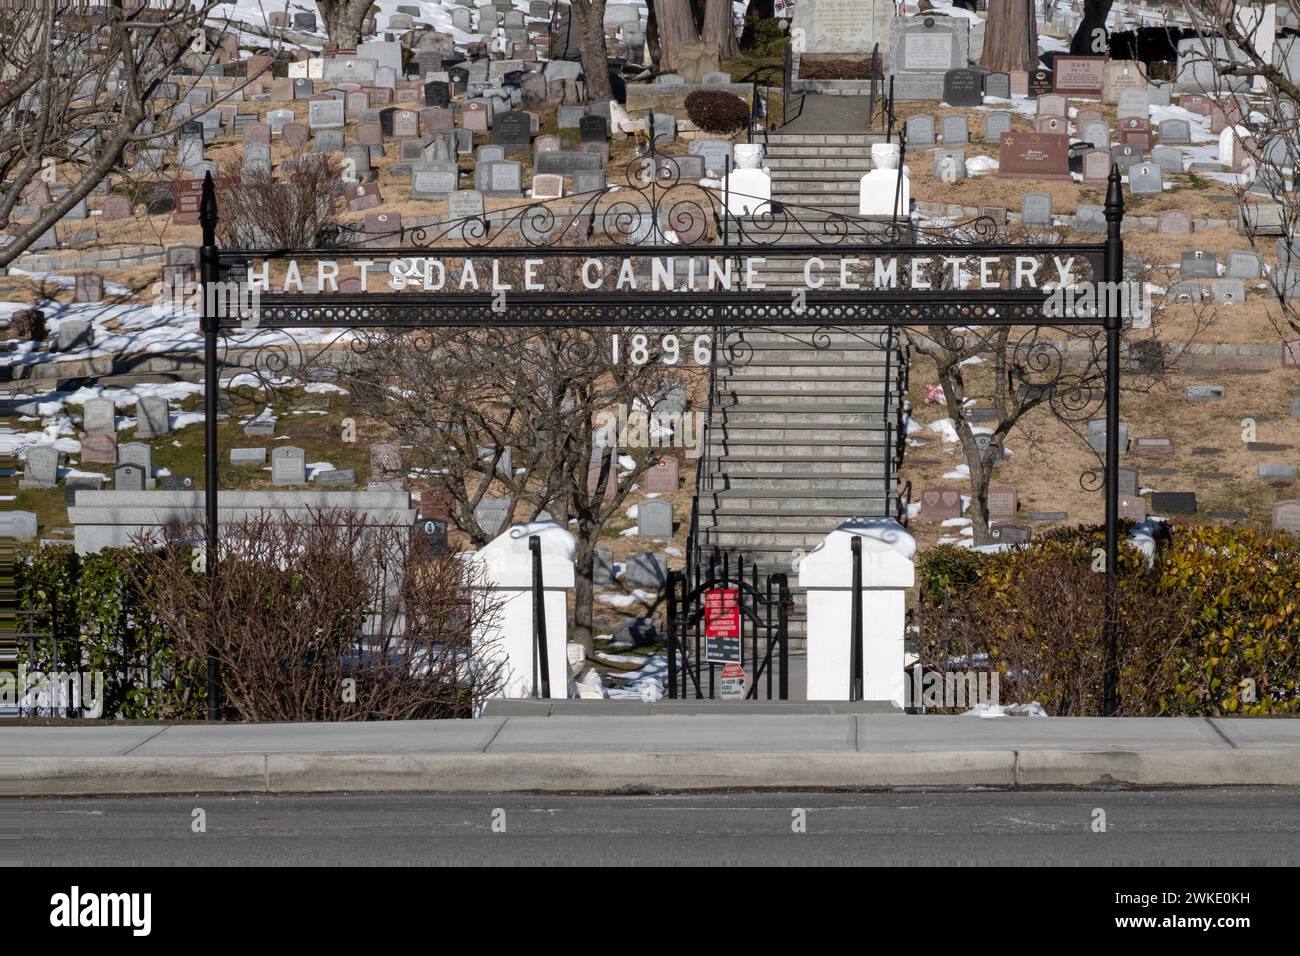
x=719 y=30
x=676 y=26
x=1086 y=40
x=343 y=20
x=1011 y=37
x=590 y=15
x=584 y=561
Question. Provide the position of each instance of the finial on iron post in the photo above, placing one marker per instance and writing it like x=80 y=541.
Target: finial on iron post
x=1114 y=209
x=208 y=210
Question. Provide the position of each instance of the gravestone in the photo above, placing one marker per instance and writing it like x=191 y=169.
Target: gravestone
x=1145 y=179
x=1199 y=264
x=1002 y=503
x=1173 y=502
x=843 y=26
x=1174 y=222
x=74 y=483
x=128 y=478
x=1286 y=516
x=434 y=180
x=955 y=131
x=386 y=464
x=663 y=477
x=920 y=131
x=1175 y=131
x=963 y=88
x=42 y=467
x=1037 y=209
x=176 y=483
x=940 y=504
x=655 y=519
x=248 y=456
x=1096 y=165
x=511 y=130
x=73 y=334
x=288 y=466
x=491 y=514
x=1133 y=507
x=99 y=449
x=337 y=477
x=152 y=418
x=997 y=85
x=1078 y=75
x=646 y=570
x=98 y=417
x=995 y=124
x=1034 y=156
x=1128 y=481
x=501 y=178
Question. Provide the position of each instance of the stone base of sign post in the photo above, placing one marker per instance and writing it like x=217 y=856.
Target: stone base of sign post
x=506 y=567
x=827 y=576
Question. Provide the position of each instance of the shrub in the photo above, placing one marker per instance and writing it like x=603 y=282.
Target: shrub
x=298 y=210
x=1217 y=609
x=326 y=617
x=716 y=111
x=770 y=37
x=93 y=619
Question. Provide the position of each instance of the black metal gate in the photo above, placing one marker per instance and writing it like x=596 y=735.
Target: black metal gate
x=760 y=605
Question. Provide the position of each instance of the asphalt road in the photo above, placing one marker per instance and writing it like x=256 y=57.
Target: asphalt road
x=1189 y=827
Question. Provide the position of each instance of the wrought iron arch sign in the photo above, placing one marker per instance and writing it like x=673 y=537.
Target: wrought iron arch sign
x=659 y=216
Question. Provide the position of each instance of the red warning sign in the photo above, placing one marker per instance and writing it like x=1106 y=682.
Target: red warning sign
x=722 y=625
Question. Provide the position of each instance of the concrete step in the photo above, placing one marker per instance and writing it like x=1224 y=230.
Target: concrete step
x=810 y=186
x=779 y=139
x=793 y=416
x=785 y=450
x=809 y=467
x=866 y=479
x=850 y=162
x=760 y=400
x=765 y=522
x=768 y=539
x=811 y=502
x=777 y=434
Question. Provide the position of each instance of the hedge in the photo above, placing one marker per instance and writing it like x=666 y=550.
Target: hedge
x=1209 y=629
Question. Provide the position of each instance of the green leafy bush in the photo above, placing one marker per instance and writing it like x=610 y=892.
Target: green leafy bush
x=716 y=111
x=93 y=618
x=1210 y=629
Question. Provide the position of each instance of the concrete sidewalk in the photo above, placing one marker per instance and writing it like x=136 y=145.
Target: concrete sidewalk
x=649 y=753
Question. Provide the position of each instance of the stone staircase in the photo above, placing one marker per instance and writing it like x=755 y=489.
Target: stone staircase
x=819 y=171
x=798 y=439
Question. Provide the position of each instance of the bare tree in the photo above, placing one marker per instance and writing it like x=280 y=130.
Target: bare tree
x=1241 y=48
x=590 y=17
x=1011 y=36
x=1023 y=373
x=80 y=86
x=516 y=415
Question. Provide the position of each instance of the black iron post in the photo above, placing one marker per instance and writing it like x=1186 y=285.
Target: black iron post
x=210 y=322
x=675 y=580
x=1113 y=276
x=855 y=631
x=539 y=615
x=783 y=633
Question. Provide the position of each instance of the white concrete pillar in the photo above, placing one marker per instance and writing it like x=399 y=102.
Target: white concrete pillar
x=506 y=565
x=827 y=576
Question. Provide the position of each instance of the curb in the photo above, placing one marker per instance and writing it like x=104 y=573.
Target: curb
x=656 y=772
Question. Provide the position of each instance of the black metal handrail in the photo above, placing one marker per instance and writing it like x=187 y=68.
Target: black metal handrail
x=855 y=630
x=539 y=618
